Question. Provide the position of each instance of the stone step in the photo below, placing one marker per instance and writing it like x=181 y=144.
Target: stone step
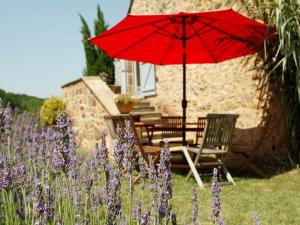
x=142 y=104
x=148 y=115
x=143 y=109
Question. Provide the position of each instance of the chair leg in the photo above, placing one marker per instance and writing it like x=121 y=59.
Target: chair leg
x=195 y=163
x=193 y=168
x=228 y=175
x=136 y=179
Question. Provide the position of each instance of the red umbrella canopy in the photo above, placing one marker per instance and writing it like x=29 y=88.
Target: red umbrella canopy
x=205 y=37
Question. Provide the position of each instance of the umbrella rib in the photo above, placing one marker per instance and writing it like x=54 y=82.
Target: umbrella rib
x=205 y=46
x=234 y=37
x=137 y=42
x=170 y=44
x=133 y=27
x=200 y=31
x=167 y=33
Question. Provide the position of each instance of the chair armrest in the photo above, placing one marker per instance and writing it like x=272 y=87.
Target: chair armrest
x=176 y=148
x=193 y=149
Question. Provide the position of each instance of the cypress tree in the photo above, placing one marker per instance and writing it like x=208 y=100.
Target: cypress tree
x=97 y=61
x=89 y=49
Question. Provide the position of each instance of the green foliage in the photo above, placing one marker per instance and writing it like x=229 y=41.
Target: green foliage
x=279 y=64
x=21 y=102
x=50 y=109
x=281 y=56
x=124 y=99
x=97 y=61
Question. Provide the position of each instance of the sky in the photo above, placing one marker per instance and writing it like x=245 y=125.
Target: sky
x=40 y=42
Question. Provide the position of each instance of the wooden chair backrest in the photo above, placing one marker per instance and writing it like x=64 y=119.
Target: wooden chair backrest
x=114 y=121
x=200 y=125
x=170 y=122
x=219 y=130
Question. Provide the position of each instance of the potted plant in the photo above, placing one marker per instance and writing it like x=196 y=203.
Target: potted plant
x=124 y=103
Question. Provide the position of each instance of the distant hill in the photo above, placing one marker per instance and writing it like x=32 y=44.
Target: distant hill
x=21 y=101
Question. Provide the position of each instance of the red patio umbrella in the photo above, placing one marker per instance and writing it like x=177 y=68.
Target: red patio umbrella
x=183 y=38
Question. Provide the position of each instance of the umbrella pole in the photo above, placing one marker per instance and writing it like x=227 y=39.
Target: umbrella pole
x=184 y=101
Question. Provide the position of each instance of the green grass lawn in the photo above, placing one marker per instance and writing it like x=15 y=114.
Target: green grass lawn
x=275 y=200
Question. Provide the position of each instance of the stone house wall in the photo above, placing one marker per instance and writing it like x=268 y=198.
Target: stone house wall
x=86 y=111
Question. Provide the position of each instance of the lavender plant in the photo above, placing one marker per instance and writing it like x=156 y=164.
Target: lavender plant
x=114 y=211
x=45 y=180
x=165 y=183
x=216 y=191
x=195 y=210
x=255 y=219
x=153 y=185
x=5 y=122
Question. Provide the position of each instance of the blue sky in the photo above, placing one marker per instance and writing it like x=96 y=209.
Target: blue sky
x=40 y=42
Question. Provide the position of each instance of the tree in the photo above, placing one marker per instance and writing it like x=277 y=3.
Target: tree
x=97 y=61
x=21 y=102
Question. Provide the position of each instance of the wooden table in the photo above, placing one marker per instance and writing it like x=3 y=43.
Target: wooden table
x=156 y=125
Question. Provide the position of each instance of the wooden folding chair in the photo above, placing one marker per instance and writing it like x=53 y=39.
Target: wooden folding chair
x=200 y=130
x=216 y=140
x=142 y=150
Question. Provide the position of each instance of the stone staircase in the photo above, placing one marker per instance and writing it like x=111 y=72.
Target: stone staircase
x=145 y=111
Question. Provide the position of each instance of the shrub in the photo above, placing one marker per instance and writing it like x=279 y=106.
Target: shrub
x=124 y=99
x=50 y=109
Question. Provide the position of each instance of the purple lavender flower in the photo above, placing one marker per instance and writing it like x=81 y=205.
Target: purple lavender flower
x=59 y=222
x=113 y=199
x=96 y=199
x=11 y=175
x=129 y=155
x=129 y=151
x=5 y=122
x=65 y=144
x=137 y=211
x=74 y=171
x=146 y=219
x=221 y=221
x=89 y=175
x=216 y=191
x=255 y=219
x=7 y=119
x=143 y=171
x=102 y=152
x=153 y=183
x=64 y=127
x=119 y=147
x=6 y=180
x=3 y=161
x=39 y=198
x=48 y=212
x=165 y=176
x=123 y=220
x=78 y=205
x=44 y=207
x=18 y=174
x=2 y=123
x=195 y=210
